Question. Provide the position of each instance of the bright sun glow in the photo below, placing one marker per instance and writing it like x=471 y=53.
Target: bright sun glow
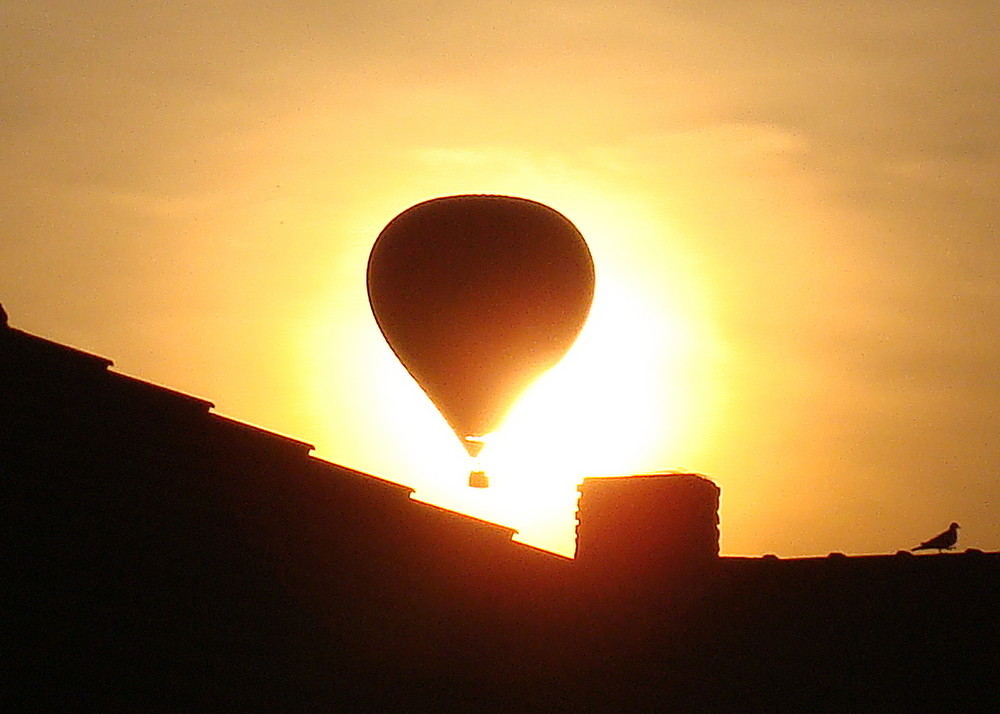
x=599 y=412
x=623 y=393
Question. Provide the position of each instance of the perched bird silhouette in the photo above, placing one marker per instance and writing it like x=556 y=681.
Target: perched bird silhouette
x=942 y=541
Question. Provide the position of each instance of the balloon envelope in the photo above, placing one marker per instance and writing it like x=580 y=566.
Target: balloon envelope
x=477 y=296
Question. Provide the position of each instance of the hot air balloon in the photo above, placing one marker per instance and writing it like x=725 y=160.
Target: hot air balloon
x=477 y=296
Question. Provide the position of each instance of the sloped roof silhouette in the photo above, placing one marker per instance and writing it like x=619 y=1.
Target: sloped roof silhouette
x=165 y=554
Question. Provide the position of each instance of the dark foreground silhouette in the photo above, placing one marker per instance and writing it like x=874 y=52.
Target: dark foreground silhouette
x=162 y=557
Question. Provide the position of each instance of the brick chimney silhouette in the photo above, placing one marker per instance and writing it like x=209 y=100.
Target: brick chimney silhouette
x=647 y=531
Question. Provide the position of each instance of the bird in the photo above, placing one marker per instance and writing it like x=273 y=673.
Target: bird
x=942 y=541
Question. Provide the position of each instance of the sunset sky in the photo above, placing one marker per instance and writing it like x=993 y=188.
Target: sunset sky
x=793 y=210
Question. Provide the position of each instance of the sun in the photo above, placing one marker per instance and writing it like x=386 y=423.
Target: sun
x=604 y=410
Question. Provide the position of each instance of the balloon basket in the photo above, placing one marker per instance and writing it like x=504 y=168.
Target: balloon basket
x=479 y=479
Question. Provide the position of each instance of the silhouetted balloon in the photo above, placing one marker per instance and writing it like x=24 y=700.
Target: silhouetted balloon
x=477 y=296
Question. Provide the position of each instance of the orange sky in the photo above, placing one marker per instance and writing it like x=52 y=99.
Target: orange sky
x=793 y=212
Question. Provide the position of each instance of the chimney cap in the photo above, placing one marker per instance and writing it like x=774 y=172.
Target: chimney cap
x=646 y=478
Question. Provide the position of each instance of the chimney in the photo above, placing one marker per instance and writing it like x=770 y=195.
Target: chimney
x=644 y=527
